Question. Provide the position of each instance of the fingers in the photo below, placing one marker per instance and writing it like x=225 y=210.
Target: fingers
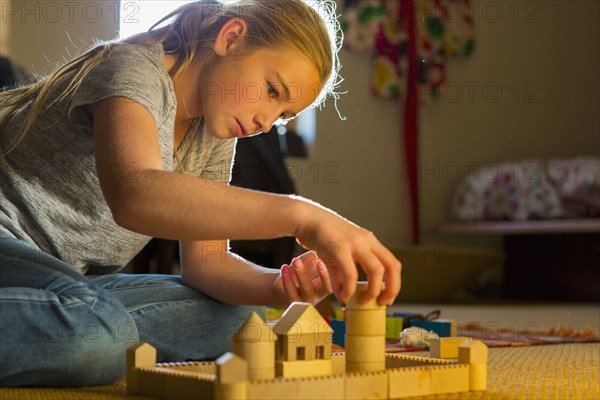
x=349 y=275
x=309 y=258
x=375 y=271
x=337 y=288
x=342 y=274
x=302 y=282
x=305 y=285
x=393 y=269
x=316 y=271
x=325 y=279
x=288 y=284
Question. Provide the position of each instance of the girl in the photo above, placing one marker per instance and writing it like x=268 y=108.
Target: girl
x=133 y=140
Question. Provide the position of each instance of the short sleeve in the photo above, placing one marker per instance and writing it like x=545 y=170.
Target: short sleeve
x=219 y=163
x=131 y=71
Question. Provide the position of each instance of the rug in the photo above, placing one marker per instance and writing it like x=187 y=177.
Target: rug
x=506 y=337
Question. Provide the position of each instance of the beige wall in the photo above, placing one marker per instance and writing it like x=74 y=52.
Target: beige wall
x=38 y=34
x=4 y=32
x=545 y=63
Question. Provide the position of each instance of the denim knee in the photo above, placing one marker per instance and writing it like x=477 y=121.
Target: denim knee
x=92 y=364
x=98 y=353
x=78 y=338
x=220 y=335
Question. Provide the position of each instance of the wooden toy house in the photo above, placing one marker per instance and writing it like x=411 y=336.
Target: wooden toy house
x=304 y=345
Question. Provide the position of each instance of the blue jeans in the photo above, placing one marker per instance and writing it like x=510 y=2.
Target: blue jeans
x=60 y=328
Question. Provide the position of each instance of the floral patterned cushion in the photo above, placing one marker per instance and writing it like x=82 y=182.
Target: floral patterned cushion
x=529 y=190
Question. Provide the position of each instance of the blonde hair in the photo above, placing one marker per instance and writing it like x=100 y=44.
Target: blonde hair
x=310 y=26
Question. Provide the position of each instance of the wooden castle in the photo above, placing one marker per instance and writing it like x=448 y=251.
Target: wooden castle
x=294 y=360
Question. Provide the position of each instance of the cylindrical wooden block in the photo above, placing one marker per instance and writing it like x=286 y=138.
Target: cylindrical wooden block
x=237 y=391
x=477 y=377
x=365 y=322
x=368 y=349
x=261 y=373
x=370 y=305
x=259 y=356
x=365 y=367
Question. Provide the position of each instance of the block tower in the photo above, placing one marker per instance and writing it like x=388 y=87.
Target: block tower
x=255 y=342
x=365 y=334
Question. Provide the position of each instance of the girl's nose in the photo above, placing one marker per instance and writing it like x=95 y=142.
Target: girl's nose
x=264 y=122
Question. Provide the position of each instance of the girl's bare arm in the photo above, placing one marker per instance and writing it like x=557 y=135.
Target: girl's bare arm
x=146 y=199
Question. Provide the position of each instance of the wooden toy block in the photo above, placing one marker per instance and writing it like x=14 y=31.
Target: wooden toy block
x=255 y=342
x=139 y=355
x=407 y=318
x=231 y=391
x=151 y=383
x=368 y=349
x=408 y=382
x=171 y=371
x=443 y=327
x=277 y=389
x=273 y=313
x=325 y=308
x=205 y=368
x=339 y=313
x=477 y=377
x=267 y=373
x=364 y=366
x=449 y=379
x=370 y=305
x=321 y=388
x=303 y=334
x=367 y=385
x=254 y=330
x=407 y=361
x=133 y=382
x=393 y=327
x=179 y=387
x=339 y=332
x=446 y=347
x=168 y=380
x=231 y=368
x=364 y=353
x=473 y=352
x=338 y=363
x=365 y=322
x=303 y=368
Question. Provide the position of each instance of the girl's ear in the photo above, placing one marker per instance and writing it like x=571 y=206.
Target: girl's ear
x=230 y=36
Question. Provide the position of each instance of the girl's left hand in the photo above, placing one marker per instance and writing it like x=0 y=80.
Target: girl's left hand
x=306 y=279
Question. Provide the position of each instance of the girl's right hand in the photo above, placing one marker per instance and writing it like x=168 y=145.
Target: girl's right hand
x=342 y=244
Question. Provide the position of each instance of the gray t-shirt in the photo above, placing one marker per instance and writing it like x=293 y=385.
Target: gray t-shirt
x=50 y=194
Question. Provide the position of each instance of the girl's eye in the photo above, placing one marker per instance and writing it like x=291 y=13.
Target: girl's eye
x=271 y=90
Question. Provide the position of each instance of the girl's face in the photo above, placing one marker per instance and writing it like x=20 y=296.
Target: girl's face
x=243 y=96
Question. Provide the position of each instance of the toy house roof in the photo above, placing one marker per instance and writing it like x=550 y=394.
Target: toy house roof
x=255 y=330
x=473 y=352
x=142 y=348
x=301 y=318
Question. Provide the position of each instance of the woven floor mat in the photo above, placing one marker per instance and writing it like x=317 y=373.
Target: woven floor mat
x=565 y=371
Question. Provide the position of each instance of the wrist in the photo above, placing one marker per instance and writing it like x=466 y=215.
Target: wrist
x=301 y=212
x=278 y=296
